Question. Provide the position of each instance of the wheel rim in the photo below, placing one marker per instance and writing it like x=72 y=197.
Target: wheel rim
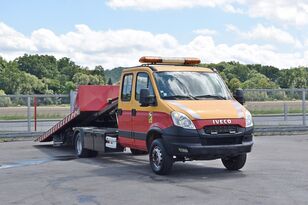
x=79 y=145
x=157 y=157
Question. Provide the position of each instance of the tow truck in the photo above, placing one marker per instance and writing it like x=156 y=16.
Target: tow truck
x=169 y=108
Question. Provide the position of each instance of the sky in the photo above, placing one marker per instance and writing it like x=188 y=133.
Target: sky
x=116 y=33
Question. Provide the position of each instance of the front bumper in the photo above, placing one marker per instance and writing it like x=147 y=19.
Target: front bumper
x=195 y=144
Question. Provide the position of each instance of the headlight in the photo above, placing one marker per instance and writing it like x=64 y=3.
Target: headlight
x=248 y=119
x=181 y=120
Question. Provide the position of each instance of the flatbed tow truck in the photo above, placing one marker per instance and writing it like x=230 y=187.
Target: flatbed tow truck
x=169 y=108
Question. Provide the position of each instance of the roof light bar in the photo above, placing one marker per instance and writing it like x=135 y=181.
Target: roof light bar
x=169 y=60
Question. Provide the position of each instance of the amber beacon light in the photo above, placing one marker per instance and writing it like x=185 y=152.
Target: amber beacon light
x=169 y=60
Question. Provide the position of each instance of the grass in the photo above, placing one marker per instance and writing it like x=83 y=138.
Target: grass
x=7 y=140
x=24 y=117
x=15 y=139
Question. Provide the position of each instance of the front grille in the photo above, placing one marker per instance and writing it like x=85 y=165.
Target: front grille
x=222 y=135
x=224 y=140
x=222 y=129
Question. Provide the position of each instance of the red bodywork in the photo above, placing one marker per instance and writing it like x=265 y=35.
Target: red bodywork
x=199 y=124
x=95 y=97
x=137 y=127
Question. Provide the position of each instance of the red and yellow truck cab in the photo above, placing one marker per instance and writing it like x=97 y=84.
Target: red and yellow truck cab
x=178 y=111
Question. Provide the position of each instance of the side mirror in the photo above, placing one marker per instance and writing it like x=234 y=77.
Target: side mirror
x=145 y=98
x=239 y=96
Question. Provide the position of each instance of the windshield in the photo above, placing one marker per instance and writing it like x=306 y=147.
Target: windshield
x=191 y=85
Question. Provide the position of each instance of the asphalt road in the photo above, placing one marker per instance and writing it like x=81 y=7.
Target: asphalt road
x=22 y=125
x=31 y=173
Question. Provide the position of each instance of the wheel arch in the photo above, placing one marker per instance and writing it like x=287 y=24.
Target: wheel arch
x=153 y=133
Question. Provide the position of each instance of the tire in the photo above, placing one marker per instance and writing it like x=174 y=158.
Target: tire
x=234 y=163
x=161 y=163
x=137 y=152
x=79 y=148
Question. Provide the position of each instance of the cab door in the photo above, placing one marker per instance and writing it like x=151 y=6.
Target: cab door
x=125 y=111
x=141 y=116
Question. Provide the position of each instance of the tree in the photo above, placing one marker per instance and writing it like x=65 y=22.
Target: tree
x=46 y=74
x=68 y=68
x=109 y=81
x=234 y=84
x=53 y=84
x=30 y=84
x=99 y=70
x=10 y=78
x=258 y=81
x=38 y=65
x=114 y=74
x=269 y=71
x=81 y=79
x=94 y=80
x=4 y=101
x=293 y=78
x=3 y=63
x=69 y=86
x=236 y=70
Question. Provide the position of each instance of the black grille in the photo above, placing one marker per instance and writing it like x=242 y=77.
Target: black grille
x=224 y=141
x=222 y=129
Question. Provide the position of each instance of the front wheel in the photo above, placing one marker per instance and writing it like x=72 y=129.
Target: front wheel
x=161 y=163
x=234 y=163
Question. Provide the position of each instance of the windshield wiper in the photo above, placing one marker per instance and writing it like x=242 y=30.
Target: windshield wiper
x=210 y=96
x=174 y=97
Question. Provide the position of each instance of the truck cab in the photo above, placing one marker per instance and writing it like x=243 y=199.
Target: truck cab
x=178 y=111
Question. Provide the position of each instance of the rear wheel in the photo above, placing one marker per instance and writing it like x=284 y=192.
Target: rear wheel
x=234 y=163
x=137 y=152
x=80 y=151
x=161 y=163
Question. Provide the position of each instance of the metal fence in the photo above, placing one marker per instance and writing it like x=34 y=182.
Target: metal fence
x=34 y=114
x=277 y=107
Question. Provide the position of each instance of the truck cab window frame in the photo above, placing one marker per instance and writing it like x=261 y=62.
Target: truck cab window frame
x=127 y=87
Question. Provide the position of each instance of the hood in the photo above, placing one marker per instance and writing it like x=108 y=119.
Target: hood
x=208 y=109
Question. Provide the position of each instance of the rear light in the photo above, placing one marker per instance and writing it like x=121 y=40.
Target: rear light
x=171 y=60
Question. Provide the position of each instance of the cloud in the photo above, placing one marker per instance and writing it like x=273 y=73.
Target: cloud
x=45 y=40
x=284 y=11
x=112 y=48
x=205 y=32
x=170 y=4
x=231 y=9
x=11 y=40
x=270 y=33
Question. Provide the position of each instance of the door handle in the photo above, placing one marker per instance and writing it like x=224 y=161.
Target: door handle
x=134 y=112
x=120 y=111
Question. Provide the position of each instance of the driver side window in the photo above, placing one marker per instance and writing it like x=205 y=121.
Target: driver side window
x=143 y=81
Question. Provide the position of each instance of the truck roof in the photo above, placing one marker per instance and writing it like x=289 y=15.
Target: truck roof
x=161 y=67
